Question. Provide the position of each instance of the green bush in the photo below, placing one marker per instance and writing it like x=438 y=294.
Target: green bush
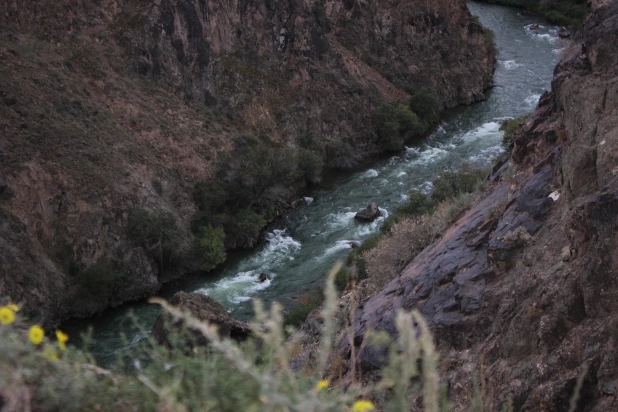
x=298 y=314
x=158 y=234
x=490 y=39
x=340 y=155
x=209 y=196
x=209 y=247
x=356 y=256
x=310 y=166
x=510 y=127
x=453 y=184
x=243 y=228
x=395 y=123
x=424 y=102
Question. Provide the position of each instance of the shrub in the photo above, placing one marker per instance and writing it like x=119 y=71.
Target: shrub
x=452 y=184
x=298 y=314
x=209 y=247
x=158 y=233
x=209 y=196
x=490 y=39
x=243 y=229
x=395 y=123
x=510 y=127
x=424 y=102
x=310 y=166
x=418 y=203
x=340 y=155
x=356 y=256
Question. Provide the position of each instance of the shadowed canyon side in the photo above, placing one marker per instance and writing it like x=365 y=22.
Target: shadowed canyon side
x=112 y=106
x=523 y=288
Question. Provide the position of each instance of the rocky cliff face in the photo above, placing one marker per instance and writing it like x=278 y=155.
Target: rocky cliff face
x=523 y=289
x=111 y=105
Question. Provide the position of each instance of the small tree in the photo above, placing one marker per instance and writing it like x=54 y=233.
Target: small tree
x=210 y=247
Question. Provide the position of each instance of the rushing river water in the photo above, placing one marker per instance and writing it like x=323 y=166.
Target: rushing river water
x=312 y=237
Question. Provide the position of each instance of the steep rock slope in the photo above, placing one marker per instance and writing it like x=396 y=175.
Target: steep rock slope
x=523 y=289
x=111 y=105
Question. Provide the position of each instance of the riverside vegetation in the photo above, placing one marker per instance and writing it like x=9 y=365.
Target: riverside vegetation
x=44 y=374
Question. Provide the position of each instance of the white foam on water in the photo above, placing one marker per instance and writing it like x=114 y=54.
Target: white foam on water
x=339 y=220
x=429 y=155
x=308 y=200
x=426 y=187
x=339 y=245
x=370 y=228
x=510 y=64
x=545 y=37
x=488 y=154
x=404 y=197
x=401 y=174
x=533 y=100
x=557 y=51
x=237 y=289
x=486 y=130
x=371 y=173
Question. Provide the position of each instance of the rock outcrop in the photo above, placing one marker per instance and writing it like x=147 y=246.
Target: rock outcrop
x=108 y=106
x=525 y=285
x=369 y=214
x=205 y=309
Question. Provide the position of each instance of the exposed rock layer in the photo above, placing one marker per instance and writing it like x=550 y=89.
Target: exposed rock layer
x=524 y=286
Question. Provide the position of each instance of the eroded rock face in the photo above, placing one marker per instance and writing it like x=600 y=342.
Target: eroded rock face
x=531 y=293
x=205 y=309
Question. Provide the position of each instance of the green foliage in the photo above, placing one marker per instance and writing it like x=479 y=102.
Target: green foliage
x=343 y=278
x=490 y=39
x=298 y=314
x=424 y=102
x=340 y=155
x=243 y=229
x=158 y=234
x=453 y=184
x=510 y=127
x=356 y=256
x=209 y=247
x=96 y=284
x=310 y=166
x=418 y=204
x=395 y=123
x=209 y=196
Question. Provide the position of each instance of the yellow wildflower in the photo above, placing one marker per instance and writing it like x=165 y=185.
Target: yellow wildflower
x=36 y=334
x=363 y=406
x=13 y=307
x=50 y=353
x=7 y=316
x=323 y=384
x=62 y=339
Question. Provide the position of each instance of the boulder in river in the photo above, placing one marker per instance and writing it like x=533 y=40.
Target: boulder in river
x=203 y=308
x=369 y=214
x=263 y=277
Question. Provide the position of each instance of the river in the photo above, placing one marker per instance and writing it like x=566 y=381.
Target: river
x=311 y=238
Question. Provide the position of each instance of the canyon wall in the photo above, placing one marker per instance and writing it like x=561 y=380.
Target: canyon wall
x=108 y=106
